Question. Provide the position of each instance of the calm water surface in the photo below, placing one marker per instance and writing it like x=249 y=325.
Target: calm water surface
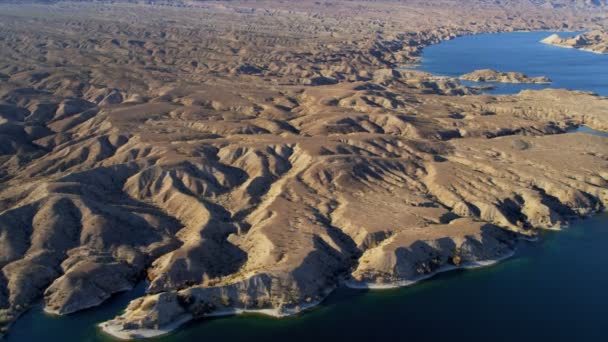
x=585 y=129
x=554 y=288
x=522 y=52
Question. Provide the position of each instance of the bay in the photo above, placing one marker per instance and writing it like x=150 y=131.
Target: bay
x=522 y=52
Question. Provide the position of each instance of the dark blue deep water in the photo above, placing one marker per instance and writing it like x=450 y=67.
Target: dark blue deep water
x=522 y=52
x=554 y=289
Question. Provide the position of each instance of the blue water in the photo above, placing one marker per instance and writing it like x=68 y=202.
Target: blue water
x=555 y=289
x=585 y=129
x=522 y=52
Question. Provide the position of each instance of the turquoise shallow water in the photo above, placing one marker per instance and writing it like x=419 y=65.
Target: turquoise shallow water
x=522 y=52
x=553 y=289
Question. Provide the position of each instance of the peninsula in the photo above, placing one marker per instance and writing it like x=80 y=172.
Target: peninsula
x=489 y=75
x=593 y=41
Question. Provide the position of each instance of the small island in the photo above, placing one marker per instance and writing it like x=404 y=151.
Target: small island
x=490 y=75
x=593 y=41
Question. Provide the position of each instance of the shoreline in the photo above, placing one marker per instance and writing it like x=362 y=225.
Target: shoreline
x=573 y=47
x=405 y=283
x=414 y=65
x=113 y=330
x=544 y=41
x=100 y=301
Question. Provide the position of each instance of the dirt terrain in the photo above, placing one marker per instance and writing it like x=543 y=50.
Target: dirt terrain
x=254 y=155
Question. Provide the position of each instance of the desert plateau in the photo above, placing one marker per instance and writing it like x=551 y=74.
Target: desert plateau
x=254 y=156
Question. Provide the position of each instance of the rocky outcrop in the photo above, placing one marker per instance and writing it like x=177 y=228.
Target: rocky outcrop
x=410 y=256
x=593 y=41
x=489 y=75
x=158 y=314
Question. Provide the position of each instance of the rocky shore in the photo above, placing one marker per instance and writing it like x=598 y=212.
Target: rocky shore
x=374 y=285
x=489 y=75
x=593 y=41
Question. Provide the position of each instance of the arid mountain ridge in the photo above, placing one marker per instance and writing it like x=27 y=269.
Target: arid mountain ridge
x=255 y=155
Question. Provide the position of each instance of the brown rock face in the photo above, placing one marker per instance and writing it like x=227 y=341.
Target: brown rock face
x=593 y=41
x=489 y=75
x=246 y=155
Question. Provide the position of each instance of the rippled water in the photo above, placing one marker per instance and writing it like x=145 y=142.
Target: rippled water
x=553 y=289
